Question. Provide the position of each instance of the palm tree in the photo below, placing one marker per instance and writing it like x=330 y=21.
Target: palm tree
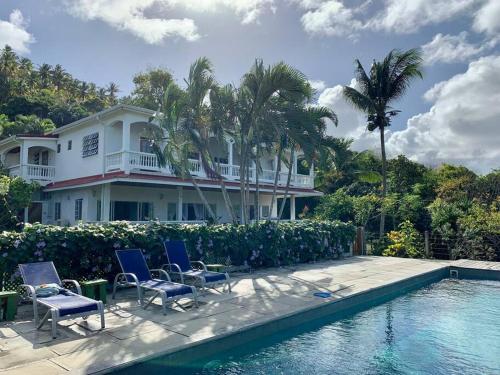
x=259 y=89
x=83 y=89
x=59 y=76
x=388 y=80
x=44 y=72
x=112 y=90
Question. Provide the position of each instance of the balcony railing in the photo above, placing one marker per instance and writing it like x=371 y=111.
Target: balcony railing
x=34 y=172
x=141 y=161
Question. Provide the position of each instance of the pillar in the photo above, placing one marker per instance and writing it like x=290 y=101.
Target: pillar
x=126 y=146
x=230 y=156
x=23 y=169
x=179 y=203
x=105 y=202
x=292 y=207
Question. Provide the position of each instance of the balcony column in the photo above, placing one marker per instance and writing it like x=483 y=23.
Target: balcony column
x=292 y=207
x=23 y=168
x=179 y=203
x=126 y=146
x=105 y=202
x=230 y=156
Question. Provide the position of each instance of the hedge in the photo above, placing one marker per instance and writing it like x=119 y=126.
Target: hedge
x=87 y=251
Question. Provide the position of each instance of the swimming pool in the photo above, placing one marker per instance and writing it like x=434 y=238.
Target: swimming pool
x=448 y=327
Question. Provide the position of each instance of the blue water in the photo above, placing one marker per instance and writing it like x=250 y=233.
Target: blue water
x=450 y=327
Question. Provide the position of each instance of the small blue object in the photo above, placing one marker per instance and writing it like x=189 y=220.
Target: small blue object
x=323 y=294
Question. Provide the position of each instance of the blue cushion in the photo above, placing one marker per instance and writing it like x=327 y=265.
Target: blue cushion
x=39 y=273
x=132 y=261
x=70 y=304
x=172 y=289
x=177 y=253
x=209 y=277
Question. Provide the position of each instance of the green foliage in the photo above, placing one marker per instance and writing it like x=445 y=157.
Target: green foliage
x=406 y=242
x=15 y=194
x=336 y=206
x=365 y=208
x=149 y=88
x=87 y=251
x=47 y=92
x=27 y=125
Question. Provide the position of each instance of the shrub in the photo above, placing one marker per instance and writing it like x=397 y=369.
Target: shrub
x=406 y=242
x=87 y=251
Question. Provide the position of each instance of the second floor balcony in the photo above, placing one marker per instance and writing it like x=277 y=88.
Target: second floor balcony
x=133 y=161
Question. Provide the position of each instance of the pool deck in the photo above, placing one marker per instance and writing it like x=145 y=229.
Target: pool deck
x=133 y=334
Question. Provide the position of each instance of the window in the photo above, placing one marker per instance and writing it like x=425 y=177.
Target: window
x=146 y=145
x=36 y=158
x=58 y=148
x=70 y=145
x=57 y=211
x=90 y=145
x=196 y=211
x=98 y=211
x=145 y=211
x=172 y=211
x=78 y=209
x=265 y=211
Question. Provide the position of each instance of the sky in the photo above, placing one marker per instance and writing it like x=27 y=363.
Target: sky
x=452 y=115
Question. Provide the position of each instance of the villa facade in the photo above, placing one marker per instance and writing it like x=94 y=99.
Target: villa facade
x=101 y=168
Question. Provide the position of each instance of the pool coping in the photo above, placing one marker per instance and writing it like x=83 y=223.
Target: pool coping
x=357 y=300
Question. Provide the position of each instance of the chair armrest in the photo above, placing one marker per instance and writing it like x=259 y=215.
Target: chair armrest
x=132 y=275
x=75 y=283
x=161 y=272
x=172 y=265
x=30 y=289
x=201 y=263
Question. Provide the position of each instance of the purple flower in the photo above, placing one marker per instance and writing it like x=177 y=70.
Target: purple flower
x=64 y=244
x=94 y=269
x=41 y=244
x=5 y=255
x=116 y=245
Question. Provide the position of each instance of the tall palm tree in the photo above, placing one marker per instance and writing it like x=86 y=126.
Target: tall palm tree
x=112 y=90
x=44 y=72
x=259 y=88
x=83 y=89
x=386 y=82
x=59 y=76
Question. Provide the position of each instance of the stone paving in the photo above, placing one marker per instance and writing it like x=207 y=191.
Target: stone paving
x=133 y=334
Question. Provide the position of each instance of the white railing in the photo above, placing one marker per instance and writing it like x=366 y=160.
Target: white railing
x=40 y=172
x=149 y=162
x=143 y=160
x=113 y=161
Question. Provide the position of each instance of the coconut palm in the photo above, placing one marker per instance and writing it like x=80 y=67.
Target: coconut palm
x=386 y=82
x=59 y=76
x=259 y=89
x=112 y=90
x=44 y=72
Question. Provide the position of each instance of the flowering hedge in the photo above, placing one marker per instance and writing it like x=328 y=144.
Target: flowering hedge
x=87 y=251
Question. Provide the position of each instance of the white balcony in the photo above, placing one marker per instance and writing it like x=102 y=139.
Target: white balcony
x=42 y=174
x=132 y=161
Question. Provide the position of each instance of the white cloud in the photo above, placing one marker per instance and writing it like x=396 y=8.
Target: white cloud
x=133 y=15
x=352 y=123
x=13 y=33
x=462 y=126
x=487 y=18
x=406 y=16
x=247 y=10
x=329 y=18
x=129 y=15
x=317 y=85
x=450 y=48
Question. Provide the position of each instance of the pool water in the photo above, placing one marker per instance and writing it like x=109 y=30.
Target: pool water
x=450 y=327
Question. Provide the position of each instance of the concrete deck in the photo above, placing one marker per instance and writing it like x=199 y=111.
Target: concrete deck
x=133 y=334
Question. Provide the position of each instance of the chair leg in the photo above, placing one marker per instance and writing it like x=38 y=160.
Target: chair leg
x=54 y=316
x=228 y=283
x=35 y=313
x=164 y=302
x=101 y=312
x=195 y=296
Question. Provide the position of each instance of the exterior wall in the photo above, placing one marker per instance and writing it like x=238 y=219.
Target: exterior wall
x=70 y=163
x=158 y=196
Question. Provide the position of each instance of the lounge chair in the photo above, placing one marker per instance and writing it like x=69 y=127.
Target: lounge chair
x=137 y=273
x=179 y=263
x=62 y=304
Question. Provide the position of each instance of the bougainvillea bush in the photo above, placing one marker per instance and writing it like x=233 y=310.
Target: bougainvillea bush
x=87 y=251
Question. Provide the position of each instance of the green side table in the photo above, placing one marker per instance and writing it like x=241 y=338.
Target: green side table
x=216 y=267
x=95 y=289
x=8 y=305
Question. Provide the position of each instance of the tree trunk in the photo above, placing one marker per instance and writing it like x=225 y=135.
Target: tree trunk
x=287 y=188
x=384 y=182
x=242 y=183
x=204 y=200
x=276 y=179
x=257 y=186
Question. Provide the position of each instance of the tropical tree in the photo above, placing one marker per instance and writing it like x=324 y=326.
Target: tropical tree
x=386 y=82
x=112 y=90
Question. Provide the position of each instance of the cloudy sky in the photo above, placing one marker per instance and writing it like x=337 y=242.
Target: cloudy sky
x=453 y=115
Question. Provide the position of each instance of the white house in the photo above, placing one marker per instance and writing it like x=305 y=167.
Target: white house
x=101 y=168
